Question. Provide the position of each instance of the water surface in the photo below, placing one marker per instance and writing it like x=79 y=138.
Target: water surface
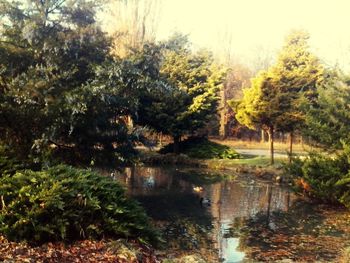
x=171 y=193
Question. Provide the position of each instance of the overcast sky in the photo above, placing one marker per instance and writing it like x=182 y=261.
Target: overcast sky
x=261 y=24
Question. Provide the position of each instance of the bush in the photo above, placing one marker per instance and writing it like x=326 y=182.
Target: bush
x=64 y=203
x=8 y=162
x=202 y=148
x=324 y=177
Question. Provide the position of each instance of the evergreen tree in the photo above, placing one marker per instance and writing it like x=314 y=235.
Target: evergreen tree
x=60 y=85
x=328 y=119
x=297 y=74
x=187 y=96
x=273 y=102
x=259 y=108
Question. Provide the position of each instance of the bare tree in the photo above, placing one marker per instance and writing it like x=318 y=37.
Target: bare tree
x=132 y=23
x=262 y=58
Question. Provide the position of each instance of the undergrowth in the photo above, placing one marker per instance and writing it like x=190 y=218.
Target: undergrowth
x=202 y=148
x=323 y=177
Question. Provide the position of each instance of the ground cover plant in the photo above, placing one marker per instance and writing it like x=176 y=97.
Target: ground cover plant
x=65 y=203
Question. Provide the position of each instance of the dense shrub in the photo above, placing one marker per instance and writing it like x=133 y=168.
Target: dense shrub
x=8 y=162
x=202 y=148
x=64 y=203
x=323 y=176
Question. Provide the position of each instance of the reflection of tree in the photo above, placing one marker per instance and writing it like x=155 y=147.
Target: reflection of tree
x=202 y=177
x=298 y=234
x=172 y=203
x=237 y=229
x=215 y=194
x=186 y=224
x=240 y=201
x=141 y=180
x=287 y=201
x=269 y=198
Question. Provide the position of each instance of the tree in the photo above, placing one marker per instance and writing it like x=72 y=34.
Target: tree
x=327 y=120
x=298 y=73
x=236 y=79
x=131 y=24
x=61 y=87
x=259 y=107
x=187 y=96
x=274 y=100
x=326 y=175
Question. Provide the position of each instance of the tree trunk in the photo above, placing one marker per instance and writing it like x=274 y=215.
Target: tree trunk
x=262 y=136
x=176 y=144
x=302 y=141
x=271 y=140
x=269 y=198
x=129 y=122
x=223 y=115
x=290 y=146
x=288 y=200
x=160 y=139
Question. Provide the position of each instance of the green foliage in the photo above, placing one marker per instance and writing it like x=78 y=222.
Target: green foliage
x=275 y=95
x=327 y=120
x=273 y=102
x=257 y=108
x=274 y=98
x=294 y=168
x=64 y=203
x=327 y=124
x=322 y=173
x=184 y=95
x=202 y=148
x=63 y=94
x=327 y=177
x=8 y=161
x=155 y=158
x=60 y=89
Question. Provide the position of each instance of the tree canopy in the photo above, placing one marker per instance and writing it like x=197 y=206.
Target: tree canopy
x=187 y=96
x=273 y=102
x=60 y=85
x=64 y=90
x=327 y=120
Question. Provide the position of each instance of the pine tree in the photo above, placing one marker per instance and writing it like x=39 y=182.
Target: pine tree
x=297 y=74
x=273 y=102
x=60 y=85
x=327 y=120
x=188 y=95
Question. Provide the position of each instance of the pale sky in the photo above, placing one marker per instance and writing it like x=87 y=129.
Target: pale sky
x=261 y=25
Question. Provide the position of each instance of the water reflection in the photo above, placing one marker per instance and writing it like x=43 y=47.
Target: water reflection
x=170 y=193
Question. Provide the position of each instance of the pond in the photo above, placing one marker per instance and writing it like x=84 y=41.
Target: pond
x=172 y=196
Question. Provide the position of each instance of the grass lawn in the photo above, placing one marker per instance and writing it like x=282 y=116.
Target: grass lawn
x=279 y=146
x=263 y=161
